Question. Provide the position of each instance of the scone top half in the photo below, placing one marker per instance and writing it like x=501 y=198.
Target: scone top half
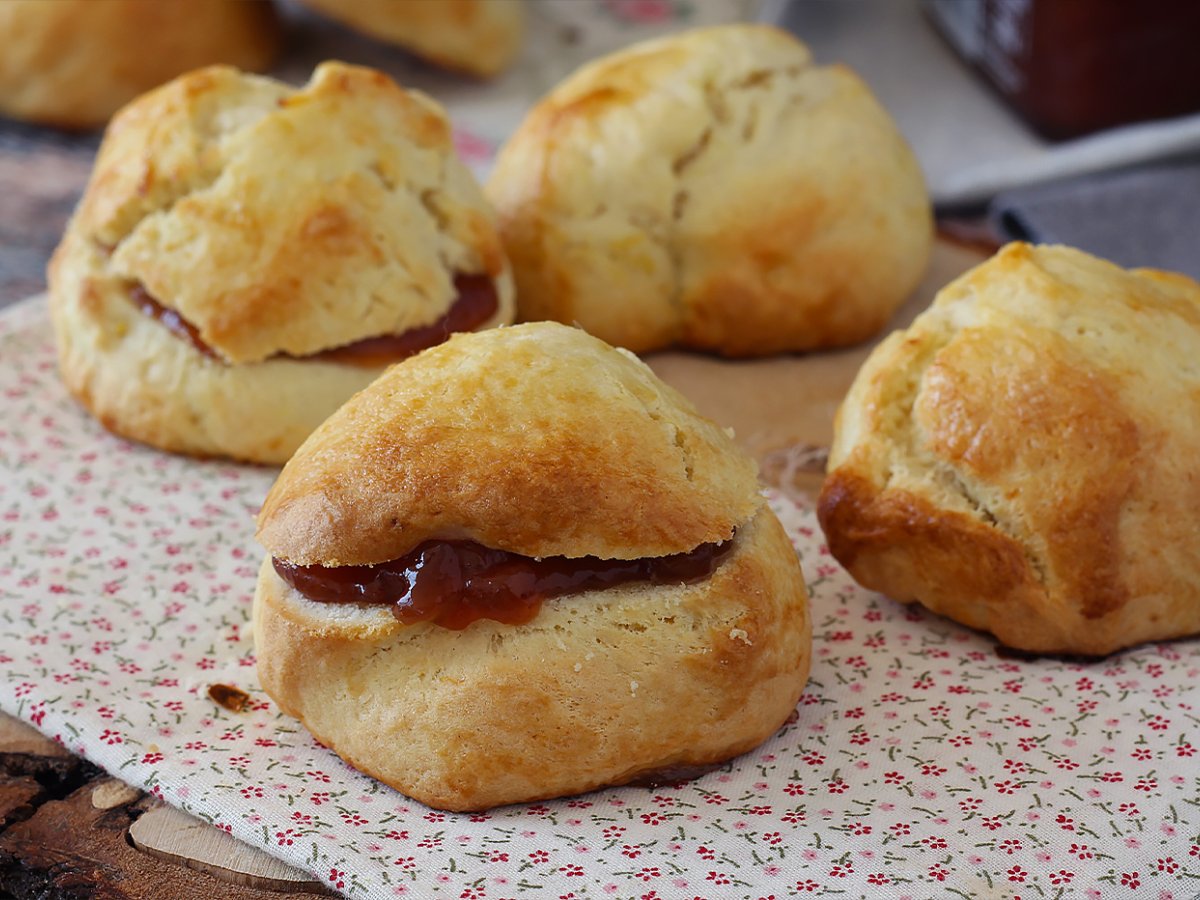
x=713 y=189
x=543 y=442
x=276 y=220
x=267 y=225
x=538 y=440
x=1022 y=459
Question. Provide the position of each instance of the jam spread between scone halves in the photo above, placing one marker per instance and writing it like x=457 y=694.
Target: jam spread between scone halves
x=453 y=583
x=475 y=302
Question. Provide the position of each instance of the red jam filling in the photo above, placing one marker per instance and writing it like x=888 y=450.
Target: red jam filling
x=453 y=583
x=474 y=304
x=174 y=322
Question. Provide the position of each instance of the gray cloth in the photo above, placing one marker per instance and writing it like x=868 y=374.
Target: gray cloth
x=1142 y=217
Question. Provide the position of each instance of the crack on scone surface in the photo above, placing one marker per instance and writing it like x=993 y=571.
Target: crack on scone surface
x=756 y=78
x=919 y=458
x=375 y=167
x=714 y=100
x=660 y=226
x=676 y=434
x=681 y=443
x=722 y=121
x=430 y=203
x=679 y=204
x=948 y=476
x=680 y=164
x=210 y=162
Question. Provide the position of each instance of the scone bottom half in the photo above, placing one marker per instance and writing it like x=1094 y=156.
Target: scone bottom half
x=248 y=255
x=526 y=447
x=1022 y=459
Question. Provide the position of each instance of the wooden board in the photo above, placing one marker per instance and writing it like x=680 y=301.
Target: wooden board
x=68 y=830
x=789 y=401
x=71 y=848
x=169 y=834
x=19 y=797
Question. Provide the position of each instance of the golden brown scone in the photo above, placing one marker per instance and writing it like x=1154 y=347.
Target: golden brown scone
x=542 y=441
x=713 y=190
x=478 y=37
x=278 y=224
x=73 y=63
x=1023 y=458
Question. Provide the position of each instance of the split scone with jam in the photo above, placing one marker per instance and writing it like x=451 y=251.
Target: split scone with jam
x=518 y=566
x=1024 y=458
x=248 y=255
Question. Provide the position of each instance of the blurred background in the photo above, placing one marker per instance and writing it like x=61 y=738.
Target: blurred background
x=1056 y=121
x=1051 y=120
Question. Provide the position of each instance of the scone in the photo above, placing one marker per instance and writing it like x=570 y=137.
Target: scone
x=713 y=190
x=478 y=37
x=248 y=255
x=1023 y=459
x=518 y=566
x=73 y=63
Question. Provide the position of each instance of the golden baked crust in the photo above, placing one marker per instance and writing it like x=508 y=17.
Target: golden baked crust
x=289 y=220
x=479 y=37
x=536 y=439
x=714 y=190
x=1022 y=459
x=598 y=689
x=275 y=221
x=73 y=63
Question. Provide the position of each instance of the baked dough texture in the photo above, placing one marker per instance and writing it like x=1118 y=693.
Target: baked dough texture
x=478 y=37
x=73 y=63
x=1023 y=459
x=277 y=222
x=600 y=687
x=713 y=190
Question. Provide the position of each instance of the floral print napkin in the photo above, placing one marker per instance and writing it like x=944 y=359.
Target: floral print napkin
x=919 y=763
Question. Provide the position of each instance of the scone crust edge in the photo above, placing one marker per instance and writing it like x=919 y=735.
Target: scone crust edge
x=500 y=714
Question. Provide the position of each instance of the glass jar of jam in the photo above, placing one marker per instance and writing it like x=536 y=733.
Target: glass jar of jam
x=1072 y=67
